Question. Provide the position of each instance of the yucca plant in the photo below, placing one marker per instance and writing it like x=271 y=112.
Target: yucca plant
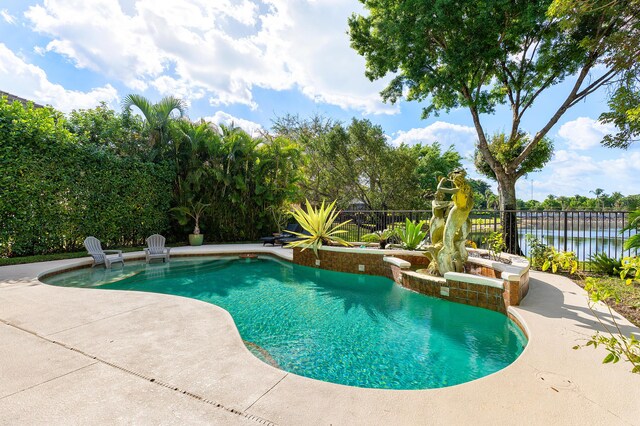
x=412 y=234
x=319 y=224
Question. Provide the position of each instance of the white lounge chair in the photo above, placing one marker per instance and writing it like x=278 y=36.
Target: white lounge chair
x=156 y=249
x=106 y=257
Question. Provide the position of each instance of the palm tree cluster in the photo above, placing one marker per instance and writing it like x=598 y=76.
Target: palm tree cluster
x=236 y=175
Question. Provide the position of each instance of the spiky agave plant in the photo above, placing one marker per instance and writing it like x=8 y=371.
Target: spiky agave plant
x=412 y=234
x=319 y=224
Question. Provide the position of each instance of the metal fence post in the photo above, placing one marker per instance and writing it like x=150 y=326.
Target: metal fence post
x=566 y=233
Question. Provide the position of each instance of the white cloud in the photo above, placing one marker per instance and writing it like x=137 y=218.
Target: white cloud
x=463 y=138
x=7 y=17
x=222 y=48
x=221 y=117
x=31 y=82
x=570 y=173
x=584 y=132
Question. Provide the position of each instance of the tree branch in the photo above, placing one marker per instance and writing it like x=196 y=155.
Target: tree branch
x=554 y=119
x=483 y=146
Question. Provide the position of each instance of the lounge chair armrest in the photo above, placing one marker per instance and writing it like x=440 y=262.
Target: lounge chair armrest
x=168 y=249
x=113 y=251
x=146 y=250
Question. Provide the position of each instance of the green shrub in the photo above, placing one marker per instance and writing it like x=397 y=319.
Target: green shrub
x=495 y=244
x=560 y=260
x=56 y=192
x=617 y=345
x=603 y=264
x=537 y=250
x=630 y=269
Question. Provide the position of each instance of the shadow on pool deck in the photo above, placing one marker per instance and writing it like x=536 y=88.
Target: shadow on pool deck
x=537 y=302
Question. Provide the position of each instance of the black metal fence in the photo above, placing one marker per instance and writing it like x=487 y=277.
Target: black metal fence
x=583 y=232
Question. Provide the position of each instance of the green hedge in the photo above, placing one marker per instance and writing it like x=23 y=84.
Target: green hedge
x=55 y=192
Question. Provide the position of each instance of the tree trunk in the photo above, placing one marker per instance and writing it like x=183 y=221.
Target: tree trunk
x=508 y=217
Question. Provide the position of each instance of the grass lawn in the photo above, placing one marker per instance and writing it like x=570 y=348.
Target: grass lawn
x=6 y=261
x=628 y=295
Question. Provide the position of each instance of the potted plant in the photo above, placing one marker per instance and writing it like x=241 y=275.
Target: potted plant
x=194 y=211
x=380 y=237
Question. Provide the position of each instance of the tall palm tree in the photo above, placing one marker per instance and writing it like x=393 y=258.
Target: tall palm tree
x=158 y=118
x=599 y=193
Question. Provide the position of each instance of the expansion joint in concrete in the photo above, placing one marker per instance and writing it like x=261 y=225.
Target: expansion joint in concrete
x=140 y=375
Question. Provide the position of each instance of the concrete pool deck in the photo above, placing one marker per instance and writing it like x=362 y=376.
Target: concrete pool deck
x=73 y=355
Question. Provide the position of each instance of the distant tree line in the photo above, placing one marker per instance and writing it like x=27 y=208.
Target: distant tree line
x=614 y=201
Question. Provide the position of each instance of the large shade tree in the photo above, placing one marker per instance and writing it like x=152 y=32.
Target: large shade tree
x=355 y=163
x=478 y=55
x=624 y=51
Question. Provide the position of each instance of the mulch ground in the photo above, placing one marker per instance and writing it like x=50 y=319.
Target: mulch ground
x=628 y=303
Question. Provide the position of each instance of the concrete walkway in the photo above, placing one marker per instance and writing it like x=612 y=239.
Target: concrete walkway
x=71 y=355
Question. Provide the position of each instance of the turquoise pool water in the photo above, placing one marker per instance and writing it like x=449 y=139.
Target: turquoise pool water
x=356 y=330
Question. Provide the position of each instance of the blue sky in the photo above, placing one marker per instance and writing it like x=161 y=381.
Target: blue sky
x=249 y=61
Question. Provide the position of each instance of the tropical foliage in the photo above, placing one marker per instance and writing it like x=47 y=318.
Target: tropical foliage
x=630 y=269
x=58 y=187
x=193 y=211
x=412 y=235
x=603 y=264
x=495 y=243
x=158 y=119
x=318 y=222
x=613 y=340
x=560 y=260
x=634 y=224
x=380 y=237
x=117 y=176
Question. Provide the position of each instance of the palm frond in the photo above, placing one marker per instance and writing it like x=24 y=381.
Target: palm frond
x=143 y=104
x=167 y=105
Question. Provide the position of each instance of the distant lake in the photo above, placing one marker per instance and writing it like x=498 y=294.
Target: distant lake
x=584 y=233
x=583 y=242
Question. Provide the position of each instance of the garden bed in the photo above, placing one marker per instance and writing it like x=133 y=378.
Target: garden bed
x=628 y=295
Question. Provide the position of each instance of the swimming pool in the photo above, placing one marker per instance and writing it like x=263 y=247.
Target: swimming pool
x=356 y=330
